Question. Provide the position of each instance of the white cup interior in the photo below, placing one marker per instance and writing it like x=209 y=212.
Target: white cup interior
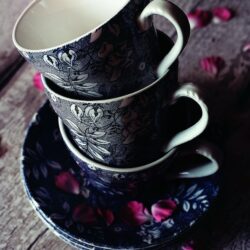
x=45 y=24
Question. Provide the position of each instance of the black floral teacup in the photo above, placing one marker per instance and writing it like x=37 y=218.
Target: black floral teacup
x=98 y=49
x=128 y=130
x=176 y=164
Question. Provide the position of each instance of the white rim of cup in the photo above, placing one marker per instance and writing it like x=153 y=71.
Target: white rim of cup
x=19 y=47
x=98 y=165
x=109 y=100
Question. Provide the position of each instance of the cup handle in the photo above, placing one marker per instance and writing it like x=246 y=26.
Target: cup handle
x=178 y=18
x=190 y=91
x=209 y=151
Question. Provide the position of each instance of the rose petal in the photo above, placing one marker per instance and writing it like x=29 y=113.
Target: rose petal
x=67 y=182
x=107 y=215
x=199 y=18
x=84 y=214
x=188 y=246
x=135 y=214
x=163 y=209
x=37 y=81
x=246 y=48
x=212 y=65
x=222 y=14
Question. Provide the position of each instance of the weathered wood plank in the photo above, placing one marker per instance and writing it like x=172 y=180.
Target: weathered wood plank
x=20 y=227
x=9 y=12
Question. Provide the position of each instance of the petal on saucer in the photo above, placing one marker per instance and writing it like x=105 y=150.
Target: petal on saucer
x=163 y=209
x=67 y=182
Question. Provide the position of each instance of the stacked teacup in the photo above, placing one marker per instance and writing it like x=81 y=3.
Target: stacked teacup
x=111 y=78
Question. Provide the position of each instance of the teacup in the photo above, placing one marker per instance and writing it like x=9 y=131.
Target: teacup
x=128 y=130
x=132 y=181
x=98 y=49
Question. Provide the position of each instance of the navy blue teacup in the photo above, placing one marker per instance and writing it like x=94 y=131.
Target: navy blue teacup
x=132 y=129
x=97 y=49
x=129 y=182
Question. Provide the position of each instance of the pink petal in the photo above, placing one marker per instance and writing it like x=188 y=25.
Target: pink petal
x=212 y=65
x=163 y=209
x=199 y=18
x=107 y=215
x=135 y=214
x=38 y=82
x=84 y=214
x=222 y=14
x=67 y=182
x=246 y=48
x=188 y=246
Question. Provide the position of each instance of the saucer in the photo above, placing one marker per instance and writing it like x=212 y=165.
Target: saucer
x=57 y=190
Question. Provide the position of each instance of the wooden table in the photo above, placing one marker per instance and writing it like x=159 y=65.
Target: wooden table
x=228 y=224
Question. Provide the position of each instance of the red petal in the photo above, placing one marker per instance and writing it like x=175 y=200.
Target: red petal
x=188 y=246
x=222 y=14
x=163 y=209
x=134 y=213
x=107 y=215
x=199 y=18
x=38 y=82
x=67 y=182
x=246 y=48
x=84 y=214
x=212 y=65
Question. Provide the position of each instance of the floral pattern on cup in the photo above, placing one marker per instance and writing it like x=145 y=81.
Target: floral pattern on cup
x=56 y=187
x=103 y=63
x=119 y=54
x=119 y=132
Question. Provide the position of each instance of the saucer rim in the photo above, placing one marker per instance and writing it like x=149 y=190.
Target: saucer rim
x=63 y=234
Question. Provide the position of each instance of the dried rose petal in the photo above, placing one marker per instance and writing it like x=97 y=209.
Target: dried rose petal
x=246 y=48
x=84 y=214
x=222 y=14
x=67 y=182
x=199 y=18
x=163 y=209
x=188 y=246
x=212 y=65
x=107 y=215
x=135 y=214
x=37 y=81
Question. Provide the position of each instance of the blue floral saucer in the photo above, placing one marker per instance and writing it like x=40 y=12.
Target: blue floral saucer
x=56 y=187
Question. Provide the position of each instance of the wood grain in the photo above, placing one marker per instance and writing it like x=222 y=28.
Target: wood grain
x=9 y=12
x=20 y=228
x=228 y=99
